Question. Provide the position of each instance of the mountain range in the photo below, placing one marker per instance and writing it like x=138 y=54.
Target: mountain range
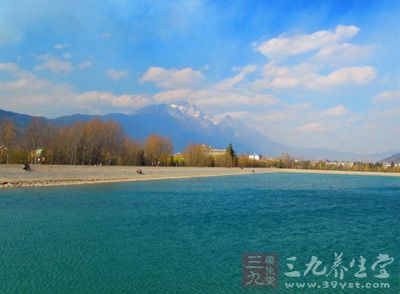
x=185 y=124
x=394 y=158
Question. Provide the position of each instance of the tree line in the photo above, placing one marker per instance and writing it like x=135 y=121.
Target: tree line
x=287 y=161
x=98 y=142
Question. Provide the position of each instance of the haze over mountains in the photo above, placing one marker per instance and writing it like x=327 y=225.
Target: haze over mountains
x=395 y=158
x=185 y=124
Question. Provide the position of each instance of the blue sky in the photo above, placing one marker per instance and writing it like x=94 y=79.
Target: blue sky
x=306 y=73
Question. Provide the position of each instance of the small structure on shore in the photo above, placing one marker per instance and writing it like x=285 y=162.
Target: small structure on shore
x=37 y=156
x=255 y=156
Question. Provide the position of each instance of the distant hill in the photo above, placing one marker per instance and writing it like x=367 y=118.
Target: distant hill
x=185 y=124
x=20 y=120
x=394 y=158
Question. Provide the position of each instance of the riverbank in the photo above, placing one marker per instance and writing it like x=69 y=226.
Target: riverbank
x=58 y=175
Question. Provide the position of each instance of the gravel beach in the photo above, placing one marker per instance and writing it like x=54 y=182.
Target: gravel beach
x=54 y=175
x=13 y=175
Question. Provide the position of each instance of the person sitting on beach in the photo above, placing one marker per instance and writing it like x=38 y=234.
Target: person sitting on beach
x=27 y=167
x=139 y=171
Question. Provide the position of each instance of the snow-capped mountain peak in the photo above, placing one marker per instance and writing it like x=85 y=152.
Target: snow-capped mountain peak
x=186 y=109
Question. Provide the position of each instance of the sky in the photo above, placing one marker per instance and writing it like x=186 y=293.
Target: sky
x=305 y=73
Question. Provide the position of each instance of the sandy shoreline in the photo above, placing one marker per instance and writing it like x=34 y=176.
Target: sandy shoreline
x=60 y=175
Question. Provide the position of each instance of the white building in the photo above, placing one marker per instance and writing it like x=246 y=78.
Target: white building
x=255 y=156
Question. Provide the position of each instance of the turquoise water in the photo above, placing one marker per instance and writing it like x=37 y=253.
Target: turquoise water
x=188 y=236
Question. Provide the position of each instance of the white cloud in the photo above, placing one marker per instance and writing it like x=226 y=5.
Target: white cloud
x=286 y=122
x=119 y=101
x=233 y=81
x=173 y=78
x=310 y=127
x=212 y=99
x=342 y=54
x=9 y=67
x=59 y=46
x=21 y=79
x=338 y=110
x=387 y=96
x=282 y=77
x=294 y=45
x=114 y=74
x=333 y=63
x=25 y=92
x=306 y=76
x=345 y=76
x=25 y=82
x=54 y=65
x=173 y=95
x=135 y=101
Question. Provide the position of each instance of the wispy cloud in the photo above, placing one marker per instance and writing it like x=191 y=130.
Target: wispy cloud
x=387 y=96
x=342 y=54
x=306 y=76
x=42 y=96
x=109 y=99
x=115 y=74
x=294 y=45
x=216 y=100
x=338 y=110
x=330 y=63
x=310 y=127
x=54 y=65
x=9 y=67
x=233 y=81
x=60 y=46
x=344 y=76
x=173 y=78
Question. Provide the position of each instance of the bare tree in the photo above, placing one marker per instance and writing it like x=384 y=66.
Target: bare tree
x=7 y=136
x=158 y=150
x=198 y=155
x=33 y=135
